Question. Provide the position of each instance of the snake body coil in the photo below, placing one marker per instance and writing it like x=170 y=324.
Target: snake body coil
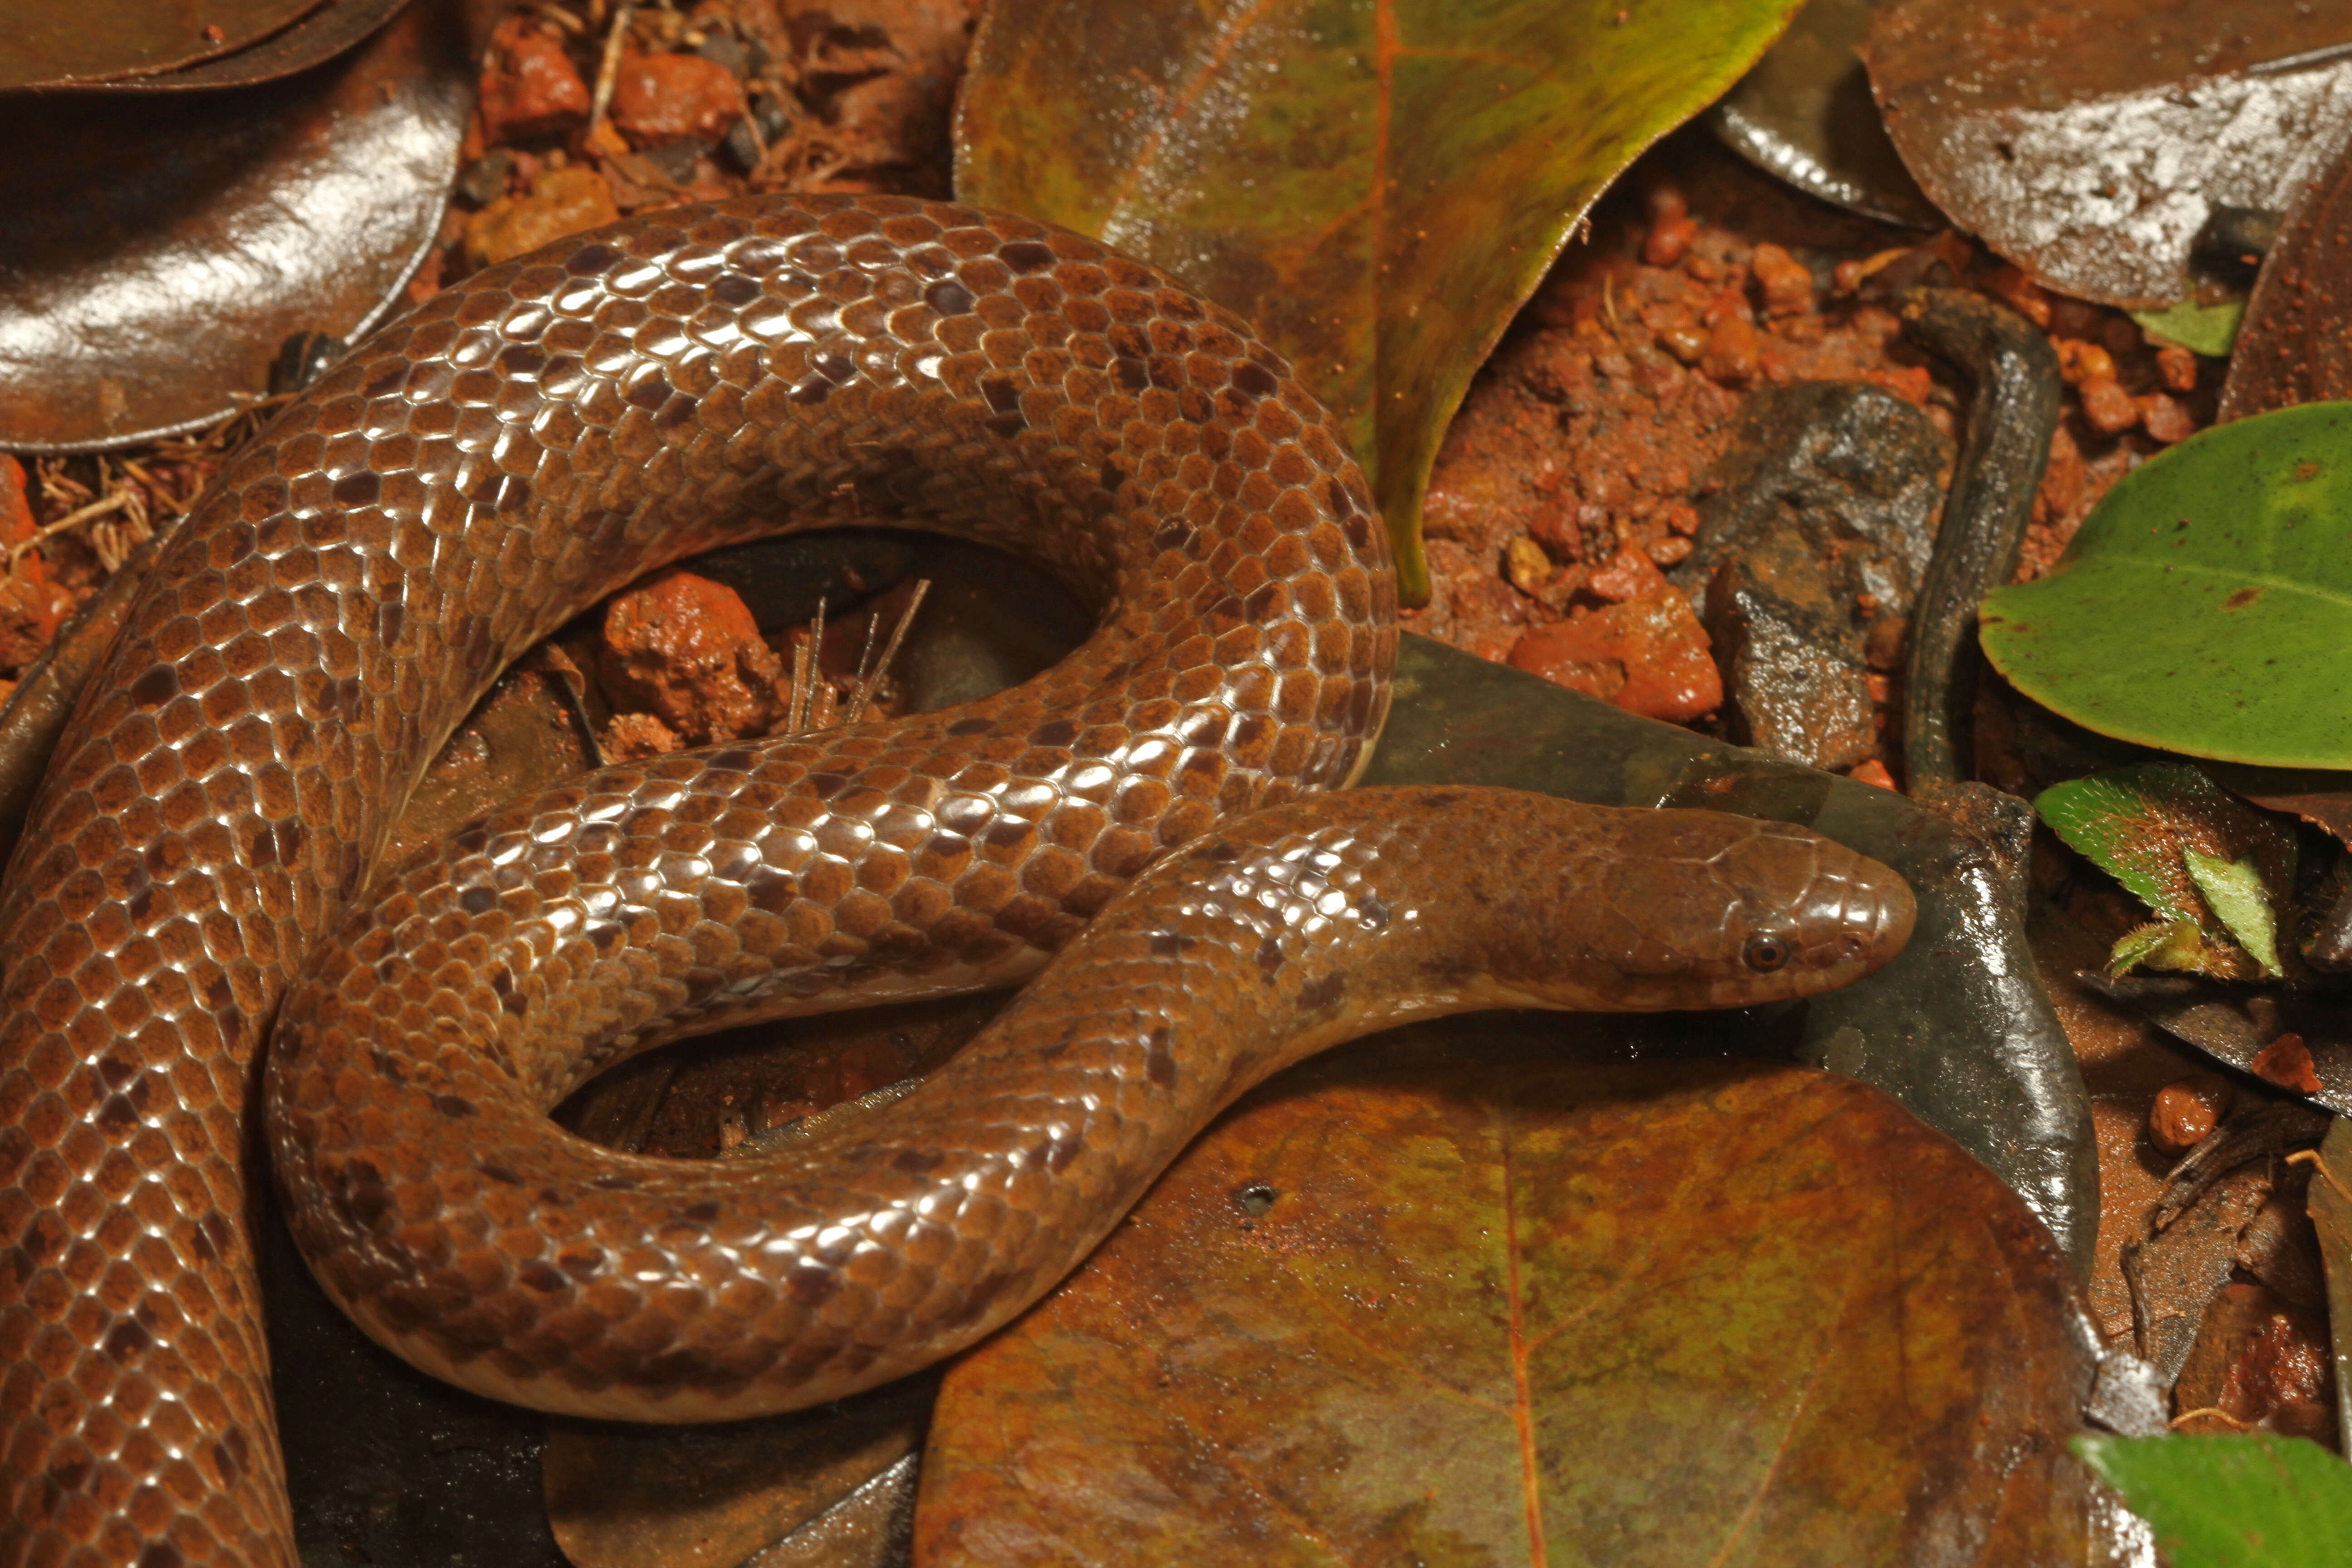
x=475 y=474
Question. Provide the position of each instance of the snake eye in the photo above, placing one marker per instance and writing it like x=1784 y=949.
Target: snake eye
x=1764 y=953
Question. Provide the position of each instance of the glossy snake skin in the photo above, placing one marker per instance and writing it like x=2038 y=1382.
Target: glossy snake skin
x=470 y=477
x=412 y=1073
x=469 y=480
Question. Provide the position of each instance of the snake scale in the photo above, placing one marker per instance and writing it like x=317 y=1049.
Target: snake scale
x=475 y=474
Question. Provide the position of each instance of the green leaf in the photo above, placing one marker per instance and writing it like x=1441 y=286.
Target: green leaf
x=2234 y=891
x=2173 y=945
x=2258 y=1501
x=2207 y=330
x=2207 y=602
x=1377 y=185
x=2151 y=826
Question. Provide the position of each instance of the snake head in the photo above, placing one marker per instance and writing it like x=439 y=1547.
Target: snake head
x=1698 y=908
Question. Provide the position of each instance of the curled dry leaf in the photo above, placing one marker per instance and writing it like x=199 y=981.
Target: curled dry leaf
x=1805 y=113
x=1449 y=1297
x=313 y=39
x=1377 y=187
x=46 y=45
x=206 y=229
x=2090 y=141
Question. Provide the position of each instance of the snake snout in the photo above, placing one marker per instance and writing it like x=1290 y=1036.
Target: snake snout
x=1854 y=916
x=1783 y=912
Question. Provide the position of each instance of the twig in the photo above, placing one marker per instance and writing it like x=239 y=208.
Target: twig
x=2311 y=1157
x=608 y=69
x=866 y=654
x=897 y=634
x=75 y=519
x=2215 y=1410
x=804 y=657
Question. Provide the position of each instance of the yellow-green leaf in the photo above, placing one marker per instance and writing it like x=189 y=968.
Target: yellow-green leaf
x=2234 y=889
x=1377 y=185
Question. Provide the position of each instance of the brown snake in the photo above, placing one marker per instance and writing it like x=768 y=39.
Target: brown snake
x=478 y=472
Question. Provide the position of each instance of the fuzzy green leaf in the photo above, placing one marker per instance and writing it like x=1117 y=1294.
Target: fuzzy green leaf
x=2173 y=945
x=2233 y=889
x=2205 y=605
x=2150 y=827
x=2258 y=1501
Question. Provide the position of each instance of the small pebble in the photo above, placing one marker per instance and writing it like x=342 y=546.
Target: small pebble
x=2080 y=362
x=1526 y=565
x=658 y=97
x=1686 y=340
x=1731 y=352
x=2185 y=1113
x=537 y=91
x=726 y=50
x=742 y=146
x=1785 y=284
x=2175 y=367
x=2164 y=419
x=486 y=178
x=561 y=200
x=1672 y=229
x=2108 y=407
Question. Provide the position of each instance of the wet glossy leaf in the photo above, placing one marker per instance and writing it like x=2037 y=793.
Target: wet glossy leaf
x=2204 y=605
x=206 y=229
x=2258 y=1501
x=2088 y=140
x=1377 y=185
x=315 y=39
x=1805 y=113
x=2206 y=863
x=44 y=44
x=2294 y=346
x=1454 y=1296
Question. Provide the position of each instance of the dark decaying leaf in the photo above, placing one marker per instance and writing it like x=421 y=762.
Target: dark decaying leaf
x=2331 y=1214
x=1805 y=113
x=204 y=229
x=620 y=1496
x=1454 y=1296
x=2293 y=345
x=2203 y=605
x=314 y=39
x=1377 y=185
x=2233 y=1025
x=2321 y=796
x=44 y=43
x=2090 y=141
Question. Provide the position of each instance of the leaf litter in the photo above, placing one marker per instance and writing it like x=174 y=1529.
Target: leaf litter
x=826 y=96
